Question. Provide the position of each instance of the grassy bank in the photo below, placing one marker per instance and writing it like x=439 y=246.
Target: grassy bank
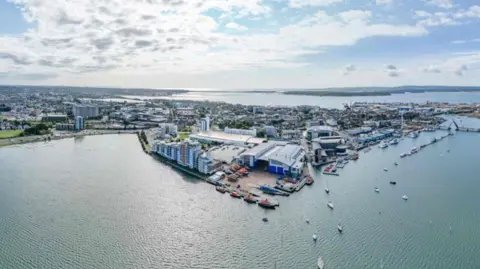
x=10 y=134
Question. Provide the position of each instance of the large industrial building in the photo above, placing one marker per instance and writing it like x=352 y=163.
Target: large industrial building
x=224 y=138
x=283 y=159
x=319 y=131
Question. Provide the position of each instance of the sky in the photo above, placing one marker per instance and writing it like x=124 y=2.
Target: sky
x=240 y=44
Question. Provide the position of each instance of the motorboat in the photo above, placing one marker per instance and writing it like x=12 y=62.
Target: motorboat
x=265 y=219
x=403 y=155
x=235 y=194
x=405 y=197
x=314 y=237
x=320 y=263
x=393 y=182
x=327 y=190
x=309 y=181
x=340 y=228
x=376 y=190
x=394 y=141
x=385 y=169
x=250 y=199
x=383 y=145
x=307 y=221
x=220 y=189
x=396 y=163
x=330 y=205
x=413 y=134
x=265 y=203
x=414 y=150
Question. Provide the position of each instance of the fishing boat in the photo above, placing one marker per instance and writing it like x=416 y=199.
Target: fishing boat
x=330 y=205
x=376 y=190
x=265 y=203
x=250 y=199
x=340 y=228
x=220 y=189
x=405 y=197
x=314 y=237
x=235 y=194
x=320 y=263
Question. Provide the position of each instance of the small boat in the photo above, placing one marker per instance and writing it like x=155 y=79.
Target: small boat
x=396 y=163
x=383 y=145
x=413 y=134
x=330 y=205
x=327 y=190
x=393 y=182
x=405 y=197
x=340 y=228
x=307 y=221
x=314 y=237
x=265 y=219
x=414 y=150
x=220 y=189
x=448 y=150
x=265 y=203
x=385 y=169
x=394 y=141
x=320 y=263
x=235 y=194
x=434 y=140
x=309 y=181
x=250 y=199
x=403 y=155
x=376 y=190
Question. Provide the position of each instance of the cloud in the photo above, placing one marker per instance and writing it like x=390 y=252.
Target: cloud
x=236 y=26
x=393 y=73
x=432 y=69
x=446 y=4
x=315 y=3
x=384 y=2
x=471 y=12
x=435 y=19
x=392 y=70
x=349 y=68
x=391 y=67
x=460 y=71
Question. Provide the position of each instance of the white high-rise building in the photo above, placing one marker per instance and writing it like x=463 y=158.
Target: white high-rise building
x=79 y=123
x=85 y=111
x=205 y=124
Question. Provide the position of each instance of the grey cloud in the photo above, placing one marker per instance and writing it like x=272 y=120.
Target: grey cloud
x=27 y=76
x=170 y=40
x=15 y=59
x=130 y=32
x=63 y=18
x=391 y=67
x=52 y=62
x=143 y=43
x=103 y=43
x=350 y=68
x=461 y=70
x=393 y=73
x=148 y=17
x=432 y=69
x=56 y=41
x=174 y=30
x=173 y=2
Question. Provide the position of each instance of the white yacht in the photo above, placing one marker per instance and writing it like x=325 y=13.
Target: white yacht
x=314 y=237
x=330 y=205
x=413 y=134
x=403 y=155
x=414 y=150
x=340 y=228
x=385 y=169
x=405 y=197
x=394 y=141
x=376 y=190
x=383 y=145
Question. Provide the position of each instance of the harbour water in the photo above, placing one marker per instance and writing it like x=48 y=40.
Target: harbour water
x=265 y=99
x=101 y=202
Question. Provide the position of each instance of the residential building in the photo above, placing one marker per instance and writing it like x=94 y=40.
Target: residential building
x=55 y=118
x=206 y=164
x=79 y=123
x=312 y=123
x=187 y=153
x=167 y=129
x=205 y=124
x=251 y=132
x=291 y=134
x=86 y=111
x=64 y=126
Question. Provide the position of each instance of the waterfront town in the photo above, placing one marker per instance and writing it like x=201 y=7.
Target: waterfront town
x=246 y=151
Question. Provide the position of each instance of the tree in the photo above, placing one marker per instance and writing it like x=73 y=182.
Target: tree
x=261 y=133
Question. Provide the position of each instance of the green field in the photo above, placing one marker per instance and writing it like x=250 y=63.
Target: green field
x=10 y=133
x=183 y=135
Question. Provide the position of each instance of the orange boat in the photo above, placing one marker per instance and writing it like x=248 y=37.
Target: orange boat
x=235 y=194
x=250 y=199
x=309 y=181
x=265 y=203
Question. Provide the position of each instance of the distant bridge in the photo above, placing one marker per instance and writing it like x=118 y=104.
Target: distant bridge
x=458 y=128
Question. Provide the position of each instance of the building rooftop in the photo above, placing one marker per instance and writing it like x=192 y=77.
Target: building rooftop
x=258 y=149
x=222 y=137
x=321 y=128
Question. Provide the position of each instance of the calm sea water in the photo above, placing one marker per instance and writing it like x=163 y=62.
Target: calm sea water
x=264 y=99
x=100 y=202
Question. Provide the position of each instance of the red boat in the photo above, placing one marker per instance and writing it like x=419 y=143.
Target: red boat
x=235 y=194
x=266 y=204
x=250 y=199
x=309 y=181
x=220 y=189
